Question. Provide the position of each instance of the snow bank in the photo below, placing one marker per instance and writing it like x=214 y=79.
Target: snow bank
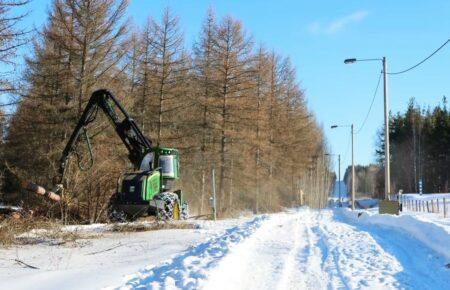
x=433 y=235
x=188 y=269
x=366 y=203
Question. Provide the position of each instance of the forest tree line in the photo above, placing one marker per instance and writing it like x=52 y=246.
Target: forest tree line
x=367 y=180
x=420 y=151
x=225 y=103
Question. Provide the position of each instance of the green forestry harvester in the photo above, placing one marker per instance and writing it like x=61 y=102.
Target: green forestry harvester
x=148 y=189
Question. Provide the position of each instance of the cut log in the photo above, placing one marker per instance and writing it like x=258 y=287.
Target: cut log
x=32 y=187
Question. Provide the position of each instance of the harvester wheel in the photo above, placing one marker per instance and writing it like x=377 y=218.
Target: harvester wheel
x=171 y=208
x=184 y=211
x=117 y=216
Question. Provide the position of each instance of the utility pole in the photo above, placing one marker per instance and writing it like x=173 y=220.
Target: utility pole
x=387 y=165
x=353 y=169
x=353 y=160
x=339 y=179
x=339 y=173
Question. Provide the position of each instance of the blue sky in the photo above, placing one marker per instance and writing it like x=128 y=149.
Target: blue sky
x=318 y=35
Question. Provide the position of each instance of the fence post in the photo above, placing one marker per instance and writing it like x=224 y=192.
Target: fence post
x=428 y=207
x=437 y=204
x=214 y=205
x=445 y=211
x=416 y=205
x=432 y=206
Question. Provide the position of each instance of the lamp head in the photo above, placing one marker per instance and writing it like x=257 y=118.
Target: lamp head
x=350 y=60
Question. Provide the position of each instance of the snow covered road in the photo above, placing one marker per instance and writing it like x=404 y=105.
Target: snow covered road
x=297 y=249
x=301 y=249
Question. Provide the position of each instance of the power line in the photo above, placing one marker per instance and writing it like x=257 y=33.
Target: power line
x=371 y=104
x=10 y=104
x=424 y=60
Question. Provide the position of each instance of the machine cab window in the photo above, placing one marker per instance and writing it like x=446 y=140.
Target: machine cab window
x=167 y=165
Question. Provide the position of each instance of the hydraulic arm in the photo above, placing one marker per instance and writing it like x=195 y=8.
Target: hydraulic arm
x=137 y=144
x=149 y=188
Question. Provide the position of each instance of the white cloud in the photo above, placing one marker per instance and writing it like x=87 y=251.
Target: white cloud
x=338 y=24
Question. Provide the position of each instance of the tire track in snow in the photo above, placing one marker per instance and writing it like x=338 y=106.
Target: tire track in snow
x=305 y=271
x=330 y=262
x=356 y=260
x=303 y=249
x=187 y=270
x=260 y=261
x=290 y=263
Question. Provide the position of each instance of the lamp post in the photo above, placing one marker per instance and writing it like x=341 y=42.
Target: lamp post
x=339 y=175
x=387 y=165
x=353 y=161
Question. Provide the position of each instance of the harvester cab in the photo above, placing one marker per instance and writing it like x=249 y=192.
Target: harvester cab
x=151 y=190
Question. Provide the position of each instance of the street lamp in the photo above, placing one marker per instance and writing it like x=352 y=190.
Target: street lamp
x=339 y=175
x=350 y=60
x=353 y=161
x=387 y=165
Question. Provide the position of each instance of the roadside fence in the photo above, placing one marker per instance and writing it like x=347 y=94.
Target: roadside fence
x=429 y=203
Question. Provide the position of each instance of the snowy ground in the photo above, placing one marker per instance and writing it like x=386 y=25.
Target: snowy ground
x=303 y=249
x=298 y=249
x=103 y=260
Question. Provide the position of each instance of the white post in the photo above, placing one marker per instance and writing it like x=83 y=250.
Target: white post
x=353 y=171
x=214 y=195
x=445 y=208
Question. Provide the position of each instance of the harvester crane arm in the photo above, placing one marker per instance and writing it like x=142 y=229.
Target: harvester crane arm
x=148 y=189
x=137 y=144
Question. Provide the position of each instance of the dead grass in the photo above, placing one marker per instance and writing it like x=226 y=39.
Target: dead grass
x=34 y=231
x=31 y=231
x=154 y=226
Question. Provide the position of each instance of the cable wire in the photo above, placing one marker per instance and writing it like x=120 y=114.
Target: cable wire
x=421 y=62
x=371 y=104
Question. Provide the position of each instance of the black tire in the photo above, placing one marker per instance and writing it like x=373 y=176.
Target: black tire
x=171 y=205
x=116 y=215
x=184 y=215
